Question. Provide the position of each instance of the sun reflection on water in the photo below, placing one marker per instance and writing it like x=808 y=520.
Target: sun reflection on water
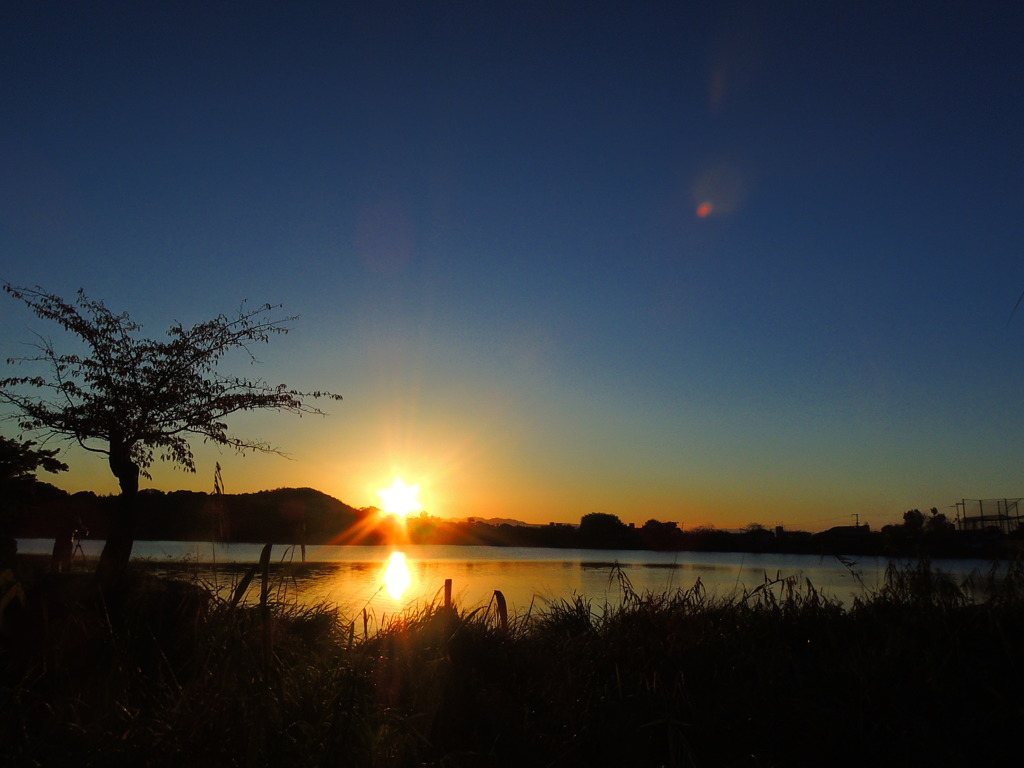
x=397 y=577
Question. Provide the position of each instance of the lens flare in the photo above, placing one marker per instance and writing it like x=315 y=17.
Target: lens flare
x=397 y=577
x=720 y=190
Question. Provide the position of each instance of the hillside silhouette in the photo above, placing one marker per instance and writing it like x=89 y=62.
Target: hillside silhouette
x=283 y=515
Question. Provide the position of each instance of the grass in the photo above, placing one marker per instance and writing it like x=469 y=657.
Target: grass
x=922 y=670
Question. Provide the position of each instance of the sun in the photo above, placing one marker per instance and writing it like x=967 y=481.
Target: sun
x=400 y=499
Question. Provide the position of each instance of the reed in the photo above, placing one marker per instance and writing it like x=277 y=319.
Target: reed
x=922 y=670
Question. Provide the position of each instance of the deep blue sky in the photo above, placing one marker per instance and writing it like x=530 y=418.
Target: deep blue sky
x=486 y=216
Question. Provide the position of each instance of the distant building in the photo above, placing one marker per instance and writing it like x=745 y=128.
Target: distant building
x=985 y=514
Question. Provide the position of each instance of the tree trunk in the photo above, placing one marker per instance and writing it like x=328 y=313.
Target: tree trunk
x=121 y=534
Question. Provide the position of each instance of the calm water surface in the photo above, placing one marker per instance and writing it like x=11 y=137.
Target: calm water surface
x=353 y=577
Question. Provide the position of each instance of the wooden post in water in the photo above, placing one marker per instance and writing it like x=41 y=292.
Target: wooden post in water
x=447 y=593
x=499 y=600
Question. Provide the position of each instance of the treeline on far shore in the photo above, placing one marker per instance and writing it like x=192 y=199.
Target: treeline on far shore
x=304 y=515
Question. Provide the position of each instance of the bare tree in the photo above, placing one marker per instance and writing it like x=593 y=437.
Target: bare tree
x=136 y=399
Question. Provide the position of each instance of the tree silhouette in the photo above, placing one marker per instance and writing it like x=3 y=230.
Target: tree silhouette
x=913 y=522
x=938 y=524
x=134 y=399
x=19 y=462
x=600 y=529
x=658 y=535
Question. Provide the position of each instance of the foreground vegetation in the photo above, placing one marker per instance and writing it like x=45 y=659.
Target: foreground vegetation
x=922 y=671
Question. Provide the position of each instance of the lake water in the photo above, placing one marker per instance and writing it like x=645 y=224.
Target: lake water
x=354 y=577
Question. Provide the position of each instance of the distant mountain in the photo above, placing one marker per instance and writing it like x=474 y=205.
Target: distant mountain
x=494 y=521
x=284 y=515
x=287 y=515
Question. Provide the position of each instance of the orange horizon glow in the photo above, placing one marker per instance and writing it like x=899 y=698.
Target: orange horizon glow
x=462 y=485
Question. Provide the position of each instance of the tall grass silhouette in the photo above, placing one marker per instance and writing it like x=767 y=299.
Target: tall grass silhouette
x=923 y=669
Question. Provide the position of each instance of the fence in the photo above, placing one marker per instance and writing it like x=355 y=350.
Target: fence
x=982 y=514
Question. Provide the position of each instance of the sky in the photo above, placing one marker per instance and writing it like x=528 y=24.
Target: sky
x=713 y=263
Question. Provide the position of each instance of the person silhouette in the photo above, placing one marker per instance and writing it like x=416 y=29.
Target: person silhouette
x=63 y=547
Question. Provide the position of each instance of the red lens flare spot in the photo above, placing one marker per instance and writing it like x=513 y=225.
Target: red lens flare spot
x=704 y=210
